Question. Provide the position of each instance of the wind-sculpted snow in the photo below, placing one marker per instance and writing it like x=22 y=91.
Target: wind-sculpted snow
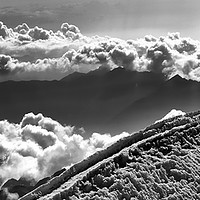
x=172 y=113
x=160 y=162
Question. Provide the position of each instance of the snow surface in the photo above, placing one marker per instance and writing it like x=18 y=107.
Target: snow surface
x=172 y=113
x=160 y=162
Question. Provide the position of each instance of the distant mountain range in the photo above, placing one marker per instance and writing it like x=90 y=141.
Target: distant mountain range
x=176 y=93
x=102 y=100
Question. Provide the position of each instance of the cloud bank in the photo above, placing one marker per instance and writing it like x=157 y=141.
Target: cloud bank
x=38 y=54
x=39 y=146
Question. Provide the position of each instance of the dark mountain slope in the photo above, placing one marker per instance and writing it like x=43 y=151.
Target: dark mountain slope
x=160 y=162
x=88 y=100
x=175 y=93
x=21 y=187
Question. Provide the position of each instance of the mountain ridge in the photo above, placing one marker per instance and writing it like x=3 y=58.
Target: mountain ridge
x=125 y=153
x=84 y=100
x=176 y=92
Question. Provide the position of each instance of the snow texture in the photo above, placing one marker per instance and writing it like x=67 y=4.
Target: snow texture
x=172 y=113
x=159 y=162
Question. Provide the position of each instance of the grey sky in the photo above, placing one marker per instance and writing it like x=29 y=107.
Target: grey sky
x=124 y=19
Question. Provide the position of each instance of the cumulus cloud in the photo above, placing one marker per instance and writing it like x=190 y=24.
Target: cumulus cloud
x=67 y=27
x=29 y=53
x=22 y=28
x=39 y=146
x=4 y=64
x=38 y=33
x=123 y=56
x=4 y=31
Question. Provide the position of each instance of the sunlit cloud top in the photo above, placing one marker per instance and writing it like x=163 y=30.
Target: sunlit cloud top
x=39 y=146
x=34 y=53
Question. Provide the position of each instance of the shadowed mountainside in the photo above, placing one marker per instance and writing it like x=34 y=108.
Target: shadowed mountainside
x=176 y=93
x=85 y=100
x=101 y=101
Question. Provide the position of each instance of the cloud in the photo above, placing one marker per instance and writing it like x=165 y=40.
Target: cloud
x=40 y=136
x=22 y=28
x=33 y=53
x=39 y=146
x=98 y=141
x=4 y=31
x=38 y=33
x=65 y=28
x=123 y=56
x=4 y=64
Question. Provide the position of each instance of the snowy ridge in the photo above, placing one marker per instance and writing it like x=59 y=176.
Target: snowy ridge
x=61 y=186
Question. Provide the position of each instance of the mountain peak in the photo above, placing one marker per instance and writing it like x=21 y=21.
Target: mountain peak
x=178 y=77
x=72 y=77
x=178 y=81
x=103 y=69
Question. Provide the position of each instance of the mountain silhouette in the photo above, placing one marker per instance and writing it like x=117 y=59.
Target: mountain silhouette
x=21 y=187
x=85 y=100
x=177 y=93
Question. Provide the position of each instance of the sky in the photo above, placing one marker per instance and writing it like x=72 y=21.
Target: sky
x=127 y=19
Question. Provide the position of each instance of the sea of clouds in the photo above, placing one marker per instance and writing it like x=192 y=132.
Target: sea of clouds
x=38 y=146
x=38 y=54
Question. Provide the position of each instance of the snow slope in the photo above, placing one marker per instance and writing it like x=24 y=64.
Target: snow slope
x=160 y=162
